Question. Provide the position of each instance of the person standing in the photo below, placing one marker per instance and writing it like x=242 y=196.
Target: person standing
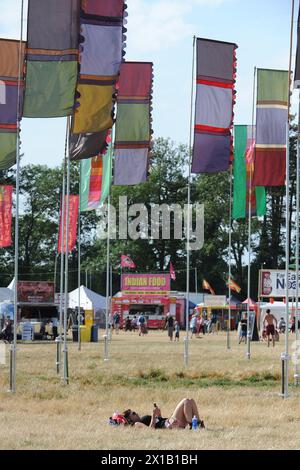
x=117 y=322
x=269 y=320
x=177 y=330
x=170 y=325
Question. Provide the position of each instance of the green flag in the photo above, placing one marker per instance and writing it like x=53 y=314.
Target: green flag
x=243 y=142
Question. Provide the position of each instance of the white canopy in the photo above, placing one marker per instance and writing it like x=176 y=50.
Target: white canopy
x=6 y=294
x=277 y=309
x=11 y=286
x=89 y=300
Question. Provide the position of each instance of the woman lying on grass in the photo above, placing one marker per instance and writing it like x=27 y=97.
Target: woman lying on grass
x=180 y=418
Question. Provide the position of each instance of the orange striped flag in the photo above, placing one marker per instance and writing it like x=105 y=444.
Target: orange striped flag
x=233 y=285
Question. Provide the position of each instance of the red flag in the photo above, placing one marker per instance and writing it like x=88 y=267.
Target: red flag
x=233 y=285
x=126 y=262
x=207 y=286
x=73 y=216
x=172 y=272
x=5 y=215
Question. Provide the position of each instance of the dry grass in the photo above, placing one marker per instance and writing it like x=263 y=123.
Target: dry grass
x=238 y=399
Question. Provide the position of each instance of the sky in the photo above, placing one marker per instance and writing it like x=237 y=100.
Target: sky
x=161 y=31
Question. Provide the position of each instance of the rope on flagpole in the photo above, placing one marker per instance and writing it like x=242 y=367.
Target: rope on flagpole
x=13 y=349
x=79 y=263
x=186 y=340
x=249 y=331
x=285 y=355
x=229 y=259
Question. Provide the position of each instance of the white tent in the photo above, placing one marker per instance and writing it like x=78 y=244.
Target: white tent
x=6 y=294
x=11 y=286
x=277 y=309
x=89 y=300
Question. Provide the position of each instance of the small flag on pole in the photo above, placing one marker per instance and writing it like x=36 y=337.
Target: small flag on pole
x=233 y=285
x=172 y=272
x=126 y=262
x=207 y=286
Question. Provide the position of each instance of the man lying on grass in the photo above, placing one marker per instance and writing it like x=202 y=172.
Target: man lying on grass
x=180 y=418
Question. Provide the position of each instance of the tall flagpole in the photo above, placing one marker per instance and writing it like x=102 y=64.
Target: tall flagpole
x=296 y=368
x=65 y=350
x=229 y=259
x=196 y=281
x=106 y=336
x=285 y=356
x=13 y=349
x=62 y=231
x=79 y=263
x=249 y=190
x=186 y=340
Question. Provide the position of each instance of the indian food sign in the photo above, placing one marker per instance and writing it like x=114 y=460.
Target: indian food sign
x=145 y=283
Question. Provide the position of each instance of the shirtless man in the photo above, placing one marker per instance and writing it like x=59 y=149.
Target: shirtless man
x=270 y=329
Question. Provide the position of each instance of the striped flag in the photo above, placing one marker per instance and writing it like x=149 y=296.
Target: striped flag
x=233 y=285
x=95 y=180
x=207 y=286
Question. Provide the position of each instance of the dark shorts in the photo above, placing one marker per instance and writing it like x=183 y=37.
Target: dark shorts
x=270 y=330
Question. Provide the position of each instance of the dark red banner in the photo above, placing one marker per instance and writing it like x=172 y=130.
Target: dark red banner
x=36 y=292
x=5 y=215
x=73 y=216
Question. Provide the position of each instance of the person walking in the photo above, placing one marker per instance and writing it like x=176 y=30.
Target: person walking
x=170 y=325
x=269 y=320
x=177 y=330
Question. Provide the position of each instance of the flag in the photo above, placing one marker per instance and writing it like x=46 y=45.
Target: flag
x=9 y=72
x=207 y=286
x=243 y=165
x=52 y=58
x=95 y=180
x=133 y=124
x=5 y=216
x=126 y=262
x=73 y=216
x=271 y=121
x=233 y=285
x=172 y=272
x=215 y=97
x=297 y=65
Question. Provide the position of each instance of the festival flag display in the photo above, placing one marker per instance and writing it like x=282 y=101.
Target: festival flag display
x=52 y=58
x=297 y=65
x=133 y=125
x=5 y=215
x=271 y=121
x=172 y=272
x=73 y=217
x=215 y=97
x=84 y=146
x=9 y=76
x=126 y=262
x=101 y=54
x=207 y=286
x=233 y=285
x=243 y=166
x=95 y=181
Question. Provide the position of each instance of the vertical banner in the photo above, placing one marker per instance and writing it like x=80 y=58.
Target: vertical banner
x=9 y=71
x=271 y=121
x=73 y=217
x=133 y=125
x=215 y=97
x=243 y=165
x=5 y=216
x=52 y=58
x=95 y=181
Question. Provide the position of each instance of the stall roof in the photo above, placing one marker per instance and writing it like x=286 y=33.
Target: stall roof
x=6 y=294
x=89 y=299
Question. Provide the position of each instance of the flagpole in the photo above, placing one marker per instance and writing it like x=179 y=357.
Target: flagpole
x=186 y=340
x=13 y=348
x=79 y=263
x=249 y=190
x=229 y=259
x=106 y=336
x=296 y=368
x=196 y=281
x=62 y=238
x=65 y=350
x=285 y=355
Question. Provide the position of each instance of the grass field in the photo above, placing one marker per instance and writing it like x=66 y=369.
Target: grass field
x=237 y=398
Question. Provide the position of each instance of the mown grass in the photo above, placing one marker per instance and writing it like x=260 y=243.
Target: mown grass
x=238 y=398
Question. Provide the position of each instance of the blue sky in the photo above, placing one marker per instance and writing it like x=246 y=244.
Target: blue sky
x=162 y=31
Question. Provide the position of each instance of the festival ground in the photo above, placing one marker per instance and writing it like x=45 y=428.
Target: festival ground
x=238 y=399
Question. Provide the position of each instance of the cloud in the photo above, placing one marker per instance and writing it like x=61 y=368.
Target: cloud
x=10 y=18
